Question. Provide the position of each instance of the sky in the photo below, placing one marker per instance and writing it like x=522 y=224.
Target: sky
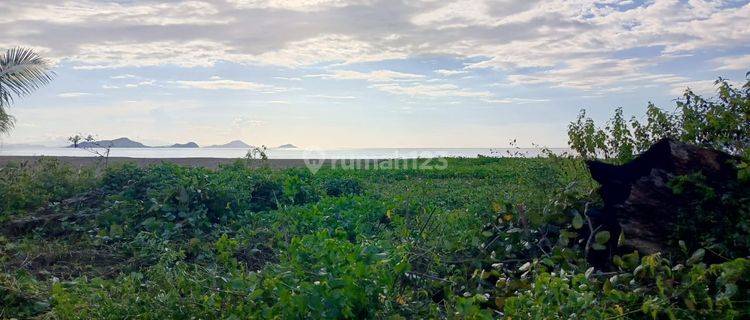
x=363 y=73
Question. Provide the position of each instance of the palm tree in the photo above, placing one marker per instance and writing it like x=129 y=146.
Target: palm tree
x=21 y=71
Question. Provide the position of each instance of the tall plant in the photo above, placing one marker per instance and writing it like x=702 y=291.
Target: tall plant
x=722 y=123
x=21 y=71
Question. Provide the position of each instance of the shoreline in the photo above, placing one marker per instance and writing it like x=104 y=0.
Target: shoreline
x=211 y=163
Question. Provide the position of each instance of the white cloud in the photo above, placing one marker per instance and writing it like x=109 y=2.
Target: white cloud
x=429 y=90
x=596 y=73
x=328 y=48
x=85 y=11
x=515 y=100
x=372 y=76
x=325 y=96
x=289 y=78
x=456 y=14
x=224 y=84
x=705 y=88
x=448 y=73
x=199 y=53
x=73 y=94
x=242 y=122
x=141 y=84
x=741 y=63
x=295 y=5
x=123 y=76
x=555 y=36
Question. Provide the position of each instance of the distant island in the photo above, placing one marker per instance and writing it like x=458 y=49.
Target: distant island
x=287 y=146
x=185 y=145
x=232 y=144
x=127 y=143
x=116 y=143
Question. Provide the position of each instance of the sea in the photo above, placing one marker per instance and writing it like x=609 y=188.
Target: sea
x=342 y=153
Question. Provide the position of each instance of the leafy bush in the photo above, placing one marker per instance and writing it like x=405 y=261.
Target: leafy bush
x=653 y=289
x=722 y=123
x=29 y=185
x=337 y=187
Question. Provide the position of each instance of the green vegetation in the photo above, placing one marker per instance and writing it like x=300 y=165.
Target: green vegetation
x=485 y=238
x=482 y=238
x=722 y=123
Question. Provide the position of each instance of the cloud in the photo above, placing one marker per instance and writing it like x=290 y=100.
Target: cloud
x=706 y=88
x=330 y=97
x=515 y=100
x=327 y=48
x=198 y=53
x=123 y=76
x=429 y=90
x=741 y=63
x=596 y=74
x=537 y=42
x=448 y=73
x=223 y=84
x=372 y=76
x=73 y=94
x=74 y=12
x=141 y=84
x=295 y=5
x=289 y=78
x=244 y=121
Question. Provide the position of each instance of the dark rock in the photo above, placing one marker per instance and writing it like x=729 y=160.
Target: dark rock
x=638 y=194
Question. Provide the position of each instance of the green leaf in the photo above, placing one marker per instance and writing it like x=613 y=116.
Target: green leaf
x=602 y=237
x=696 y=257
x=598 y=247
x=577 y=221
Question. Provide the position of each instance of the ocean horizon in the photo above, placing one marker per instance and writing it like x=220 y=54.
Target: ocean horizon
x=296 y=153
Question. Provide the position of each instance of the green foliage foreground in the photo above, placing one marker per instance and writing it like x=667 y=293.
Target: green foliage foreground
x=485 y=238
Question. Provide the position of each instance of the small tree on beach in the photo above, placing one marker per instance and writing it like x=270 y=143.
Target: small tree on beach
x=21 y=71
x=75 y=140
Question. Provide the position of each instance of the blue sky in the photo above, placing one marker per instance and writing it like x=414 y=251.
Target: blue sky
x=363 y=73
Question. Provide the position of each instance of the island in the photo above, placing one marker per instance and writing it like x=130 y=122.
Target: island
x=185 y=145
x=287 y=146
x=232 y=144
x=116 y=143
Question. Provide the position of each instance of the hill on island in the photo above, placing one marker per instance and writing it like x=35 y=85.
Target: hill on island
x=231 y=144
x=127 y=143
x=287 y=146
x=185 y=145
x=116 y=143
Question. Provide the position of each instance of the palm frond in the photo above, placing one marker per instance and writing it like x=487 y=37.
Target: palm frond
x=21 y=71
x=6 y=121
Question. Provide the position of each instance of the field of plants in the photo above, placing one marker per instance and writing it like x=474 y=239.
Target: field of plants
x=484 y=238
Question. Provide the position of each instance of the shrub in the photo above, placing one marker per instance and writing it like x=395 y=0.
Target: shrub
x=336 y=187
x=722 y=123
